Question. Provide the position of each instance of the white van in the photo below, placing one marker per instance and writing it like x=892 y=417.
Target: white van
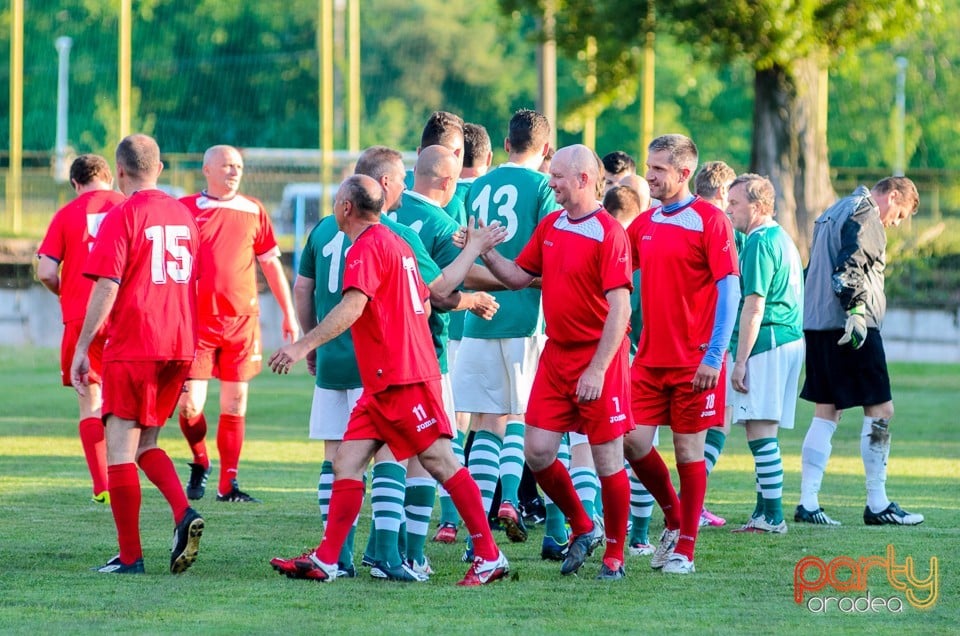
x=305 y=198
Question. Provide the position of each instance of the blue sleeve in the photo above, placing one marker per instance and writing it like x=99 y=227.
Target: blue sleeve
x=728 y=301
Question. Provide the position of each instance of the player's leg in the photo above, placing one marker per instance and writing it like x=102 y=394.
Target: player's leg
x=875 y=451
x=419 y=497
x=231 y=430
x=387 y=499
x=484 y=460
x=555 y=537
x=193 y=425
x=93 y=441
x=583 y=474
x=615 y=490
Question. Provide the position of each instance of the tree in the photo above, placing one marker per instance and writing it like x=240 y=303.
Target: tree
x=788 y=44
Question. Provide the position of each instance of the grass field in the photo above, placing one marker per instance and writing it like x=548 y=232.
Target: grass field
x=51 y=535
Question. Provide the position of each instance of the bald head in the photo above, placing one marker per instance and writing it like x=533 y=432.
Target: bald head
x=580 y=159
x=223 y=170
x=435 y=175
x=574 y=173
x=364 y=194
x=640 y=186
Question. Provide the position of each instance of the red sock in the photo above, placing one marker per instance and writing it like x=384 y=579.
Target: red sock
x=656 y=477
x=124 y=486
x=555 y=481
x=465 y=494
x=229 y=442
x=346 y=498
x=95 y=450
x=195 y=432
x=693 y=485
x=615 y=492
x=158 y=468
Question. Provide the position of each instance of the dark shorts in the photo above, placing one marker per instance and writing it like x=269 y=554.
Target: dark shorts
x=843 y=376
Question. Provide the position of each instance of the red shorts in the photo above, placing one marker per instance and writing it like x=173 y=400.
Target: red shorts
x=228 y=348
x=68 y=346
x=408 y=418
x=665 y=397
x=553 y=398
x=144 y=391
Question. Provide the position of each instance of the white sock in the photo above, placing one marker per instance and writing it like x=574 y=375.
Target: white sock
x=875 y=449
x=815 y=455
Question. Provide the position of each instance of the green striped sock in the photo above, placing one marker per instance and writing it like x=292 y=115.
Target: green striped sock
x=511 y=462
x=386 y=501
x=712 y=447
x=587 y=484
x=484 y=465
x=769 y=467
x=641 y=509
x=418 y=506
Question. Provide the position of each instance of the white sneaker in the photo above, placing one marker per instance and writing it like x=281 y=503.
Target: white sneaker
x=668 y=541
x=483 y=572
x=761 y=525
x=641 y=549
x=421 y=569
x=679 y=564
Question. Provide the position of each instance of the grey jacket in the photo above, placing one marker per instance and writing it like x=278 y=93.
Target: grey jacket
x=847 y=259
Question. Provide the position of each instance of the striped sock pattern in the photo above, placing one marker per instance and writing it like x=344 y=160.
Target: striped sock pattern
x=641 y=509
x=484 y=465
x=418 y=505
x=511 y=462
x=323 y=490
x=769 y=468
x=712 y=447
x=587 y=483
x=386 y=500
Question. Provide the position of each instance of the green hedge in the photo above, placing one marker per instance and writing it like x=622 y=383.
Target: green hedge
x=923 y=265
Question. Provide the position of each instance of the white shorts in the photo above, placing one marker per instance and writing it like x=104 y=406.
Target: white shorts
x=773 y=378
x=447 y=393
x=728 y=360
x=453 y=346
x=495 y=376
x=331 y=412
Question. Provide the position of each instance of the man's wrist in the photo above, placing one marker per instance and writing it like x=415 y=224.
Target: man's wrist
x=857 y=310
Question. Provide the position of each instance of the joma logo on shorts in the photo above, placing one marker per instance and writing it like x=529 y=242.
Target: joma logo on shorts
x=425 y=425
x=618 y=418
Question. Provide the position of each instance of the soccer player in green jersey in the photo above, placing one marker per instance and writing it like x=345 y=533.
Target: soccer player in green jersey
x=767 y=342
x=447 y=130
x=497 y=359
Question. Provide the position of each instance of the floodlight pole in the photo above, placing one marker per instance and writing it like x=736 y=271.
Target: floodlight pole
x=61 y=171
x=325 y=45
x=15 y=171
x=900 y=133
x=123 y=68
x=547 y=67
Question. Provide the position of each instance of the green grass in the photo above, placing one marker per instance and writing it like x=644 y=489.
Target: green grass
x=50 y=535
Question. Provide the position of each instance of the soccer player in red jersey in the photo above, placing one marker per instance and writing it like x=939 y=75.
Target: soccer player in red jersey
x=690 y=291
x=384 y=301
x=582 y=383
x=235 y=232
x=62 y=255
x=144 y=264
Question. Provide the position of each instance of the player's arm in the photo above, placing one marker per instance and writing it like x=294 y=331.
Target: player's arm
x=340 y=318
x=590 y=384
x=277 y=281
x=48 y=272
x=724 y=316
x=849 y=280
x=750 y=318
x=102 y=298
x=476 y=241
x=303 y=288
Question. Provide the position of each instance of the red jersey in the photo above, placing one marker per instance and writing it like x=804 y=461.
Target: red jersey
x=391 y=338
x=233 y=234
x=681 y=255
x=150 y=245
x=580 y=261
x=68 y=241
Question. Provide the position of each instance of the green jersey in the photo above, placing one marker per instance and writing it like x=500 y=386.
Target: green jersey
x=323 y=260
x=770 y=267
x=519 y=198
x=457 y=317
x=455 y=209
x=436 y=230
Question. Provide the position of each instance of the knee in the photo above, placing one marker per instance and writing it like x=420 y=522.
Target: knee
x=538 y=458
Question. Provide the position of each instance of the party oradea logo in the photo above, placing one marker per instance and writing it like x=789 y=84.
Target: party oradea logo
x=861 y=585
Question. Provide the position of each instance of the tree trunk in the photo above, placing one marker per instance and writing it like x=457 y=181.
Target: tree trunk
x=790 y=144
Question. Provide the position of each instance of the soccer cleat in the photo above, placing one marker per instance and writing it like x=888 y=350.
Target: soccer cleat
x=707 y=518
x=818 y=517
x=116 y=566
x=288 y=567
x=580 y=547
x=641 y=549
x=446 y=533
x=748 y=526
x=679 y=564
x=102 y=498
x=422 y=569
x=552 y=550
x=533 y=512
x=401 y=573
x=236 y=495
x=367 y=561
x=186 y=541
x=482 y=571
x=668 y=541
x=197 y=485
x=346 y=571
x=306 y=566
x=512 y=524
x=892 y=515
x=611 y=570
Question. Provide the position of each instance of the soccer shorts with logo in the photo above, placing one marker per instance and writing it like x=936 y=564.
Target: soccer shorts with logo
x=772 y=380
x=68 y=346
x=330 y=412
x=554 y=405
x=408 y=418
x=228 y=348
x=665 y=397
x=143 y=391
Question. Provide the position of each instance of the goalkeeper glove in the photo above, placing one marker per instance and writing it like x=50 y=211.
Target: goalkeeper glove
x=855 y=329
